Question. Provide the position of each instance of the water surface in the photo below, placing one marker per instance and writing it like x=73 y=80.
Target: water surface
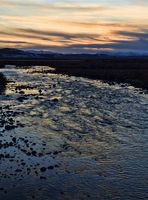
x=71 y=138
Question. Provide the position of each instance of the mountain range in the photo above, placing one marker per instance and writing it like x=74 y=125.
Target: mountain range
x=18 y=53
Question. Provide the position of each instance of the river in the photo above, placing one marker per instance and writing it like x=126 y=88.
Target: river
x=71 y=138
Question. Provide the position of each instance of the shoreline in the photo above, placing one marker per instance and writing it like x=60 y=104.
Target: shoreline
x=132 y=71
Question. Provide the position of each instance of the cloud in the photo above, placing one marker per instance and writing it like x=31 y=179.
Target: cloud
x=54 y=6
x=74 y=25
x=84 y=42
x=13 y=42
x=142 y=35
x=138 y=43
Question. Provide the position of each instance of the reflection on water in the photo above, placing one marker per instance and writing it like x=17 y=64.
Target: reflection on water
x=3 y=82
x=71 y=138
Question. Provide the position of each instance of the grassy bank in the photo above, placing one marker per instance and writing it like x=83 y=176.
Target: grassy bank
x=133 y=70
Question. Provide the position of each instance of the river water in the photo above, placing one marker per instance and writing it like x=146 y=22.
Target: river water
x=71 y=138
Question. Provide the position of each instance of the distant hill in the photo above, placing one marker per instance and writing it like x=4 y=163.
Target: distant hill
x=11 y=52
x=17 y=53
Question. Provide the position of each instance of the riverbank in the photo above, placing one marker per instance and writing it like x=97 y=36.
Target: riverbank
x=3 y=82
x=132 y=70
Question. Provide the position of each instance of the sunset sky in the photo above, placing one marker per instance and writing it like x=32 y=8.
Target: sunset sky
x=75 y=26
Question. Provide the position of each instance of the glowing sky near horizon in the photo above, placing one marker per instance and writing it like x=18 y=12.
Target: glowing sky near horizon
x=75 y=25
